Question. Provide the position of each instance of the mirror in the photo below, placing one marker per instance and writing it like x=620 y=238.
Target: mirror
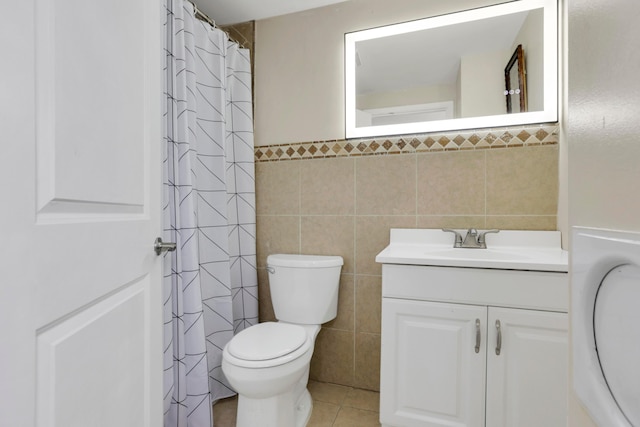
x=451 y=72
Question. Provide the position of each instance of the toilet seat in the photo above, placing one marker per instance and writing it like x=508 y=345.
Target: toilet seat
x=267 y=344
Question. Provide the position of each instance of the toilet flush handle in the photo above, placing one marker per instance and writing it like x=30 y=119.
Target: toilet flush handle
x=271 y=270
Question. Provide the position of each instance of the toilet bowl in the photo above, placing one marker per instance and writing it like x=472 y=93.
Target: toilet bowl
x=268 y=363
x=605 y=307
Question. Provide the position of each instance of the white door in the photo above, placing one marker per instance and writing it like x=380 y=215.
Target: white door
x=527 y=382
x=80 y=291
x=432 y=375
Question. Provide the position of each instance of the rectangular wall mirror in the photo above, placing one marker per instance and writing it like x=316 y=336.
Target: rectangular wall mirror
x=450 y=72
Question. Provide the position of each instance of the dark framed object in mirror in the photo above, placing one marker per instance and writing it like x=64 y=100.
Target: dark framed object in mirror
x=515 y=78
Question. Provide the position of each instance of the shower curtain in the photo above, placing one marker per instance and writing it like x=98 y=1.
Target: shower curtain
x=210 y=281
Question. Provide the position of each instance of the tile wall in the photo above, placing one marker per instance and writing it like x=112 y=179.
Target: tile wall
x=244 y=34
x=344 y=202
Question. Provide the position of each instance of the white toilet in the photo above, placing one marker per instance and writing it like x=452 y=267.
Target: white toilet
x=268 y=363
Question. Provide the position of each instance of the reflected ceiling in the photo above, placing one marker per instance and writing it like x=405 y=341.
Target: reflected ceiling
x=380 y=72
x=225 y=12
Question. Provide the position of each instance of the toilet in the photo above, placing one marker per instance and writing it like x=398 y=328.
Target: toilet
x=268 y=363
x=605 y=296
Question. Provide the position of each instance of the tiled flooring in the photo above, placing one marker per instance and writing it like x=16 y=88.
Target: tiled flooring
x=333 y=406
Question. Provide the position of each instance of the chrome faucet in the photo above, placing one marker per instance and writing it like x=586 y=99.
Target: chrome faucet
x=473 y=239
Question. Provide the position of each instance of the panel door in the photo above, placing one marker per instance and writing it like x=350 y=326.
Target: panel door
x=527 y=381
x=431 y=374
x=80 y=293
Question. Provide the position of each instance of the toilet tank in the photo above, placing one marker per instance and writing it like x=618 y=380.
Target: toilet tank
x=304 y=288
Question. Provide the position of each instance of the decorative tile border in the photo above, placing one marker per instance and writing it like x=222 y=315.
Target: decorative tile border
x=521 y=136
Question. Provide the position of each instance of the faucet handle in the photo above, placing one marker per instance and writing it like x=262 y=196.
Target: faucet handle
x=481 y=235
x=458 y=236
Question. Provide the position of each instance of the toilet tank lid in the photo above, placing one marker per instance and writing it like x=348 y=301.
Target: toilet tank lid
x=304 y=261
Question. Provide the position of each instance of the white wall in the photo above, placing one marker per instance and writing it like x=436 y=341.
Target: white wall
x=299 y=63
x=412 y=96
x=457 y=112
x=604 y=113
x=531 y=40
x=603 y=126
x=482 y=84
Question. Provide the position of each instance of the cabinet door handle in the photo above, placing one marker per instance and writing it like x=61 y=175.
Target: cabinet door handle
x=478 y=336
x=499 y=338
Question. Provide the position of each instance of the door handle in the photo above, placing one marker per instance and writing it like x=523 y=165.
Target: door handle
x=159 y=246
x=478 y=336
x=499 y=338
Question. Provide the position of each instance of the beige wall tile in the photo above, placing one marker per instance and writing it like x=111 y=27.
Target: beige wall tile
x=327 y=186
x=345 y=318
x=310 y=206
x=522 y=222
x=368 y=303
x=451 y=183
x=386 y=185
x=367 y=368
x=332 y=359
x=265 y=307
x=329 y=235
x=438 y=221
x=278 y=188
x=522 y=181
x=276 y=234
x=372 y=236
x=224 y=412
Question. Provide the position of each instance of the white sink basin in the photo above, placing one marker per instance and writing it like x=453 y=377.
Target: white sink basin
x=509 y=249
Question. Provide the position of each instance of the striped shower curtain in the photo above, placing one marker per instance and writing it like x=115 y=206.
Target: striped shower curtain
x=210 y=281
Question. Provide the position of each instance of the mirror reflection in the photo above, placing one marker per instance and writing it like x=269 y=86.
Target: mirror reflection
x=515 y=79
x=454 y=71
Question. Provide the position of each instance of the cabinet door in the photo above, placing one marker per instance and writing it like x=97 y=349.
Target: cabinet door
x=527 y=381
x=431 y=373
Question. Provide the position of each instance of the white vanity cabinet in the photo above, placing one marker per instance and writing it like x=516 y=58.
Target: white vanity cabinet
x=439 y=364
x=430 y=372
x=527 y=382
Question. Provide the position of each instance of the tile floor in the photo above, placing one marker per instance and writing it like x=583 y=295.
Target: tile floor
x=333 y=406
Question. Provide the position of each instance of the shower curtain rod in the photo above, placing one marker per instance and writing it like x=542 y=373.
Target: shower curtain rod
x=203 y=17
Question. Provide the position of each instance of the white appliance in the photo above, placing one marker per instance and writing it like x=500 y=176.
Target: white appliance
x=605 y=306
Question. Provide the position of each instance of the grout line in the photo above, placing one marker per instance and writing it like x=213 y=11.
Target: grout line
x=299 y=209
x=415 y=224
x=355 y=187
x=398 y=215
x=485 y=189
x=355 y=269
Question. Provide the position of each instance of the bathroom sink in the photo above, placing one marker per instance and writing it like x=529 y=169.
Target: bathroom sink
x=509 y=249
